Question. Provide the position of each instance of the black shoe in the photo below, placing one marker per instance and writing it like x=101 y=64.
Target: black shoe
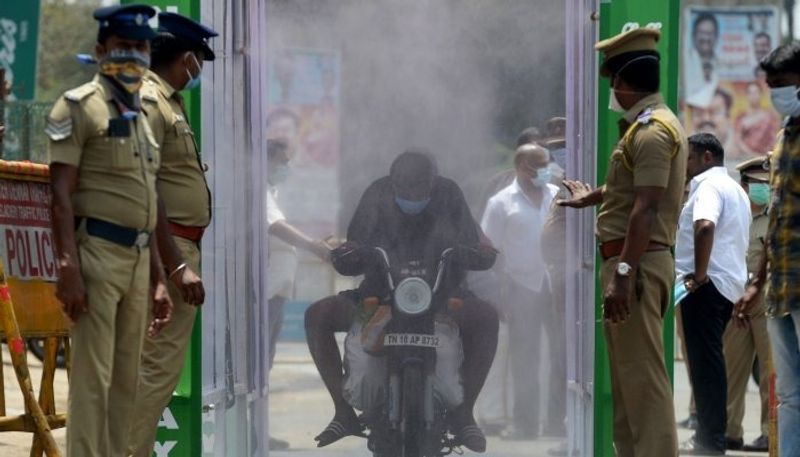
x=278 y=445
x=692 y=447
x=734 y=444
x=760 y=444
x=690 y=423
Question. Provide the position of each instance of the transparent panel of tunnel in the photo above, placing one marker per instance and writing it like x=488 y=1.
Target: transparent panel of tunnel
x=484 y=87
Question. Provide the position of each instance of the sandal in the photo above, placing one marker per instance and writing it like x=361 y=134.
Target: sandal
x=339 y=429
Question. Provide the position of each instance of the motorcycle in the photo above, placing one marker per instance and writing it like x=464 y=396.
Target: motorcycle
x=411 y=374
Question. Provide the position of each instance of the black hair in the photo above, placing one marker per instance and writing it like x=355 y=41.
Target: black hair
x=726 y=96
x=762 y=35
x=783 y=59
x=639 y=69
x=413 y=167
x=166 y=47
x=702 y=142
x=703 y=17
x=528 y=136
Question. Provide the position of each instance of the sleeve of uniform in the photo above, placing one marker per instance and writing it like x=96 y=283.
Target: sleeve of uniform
x=64 y=128
x=652 y=152
x=158 y=124
x=707 y=204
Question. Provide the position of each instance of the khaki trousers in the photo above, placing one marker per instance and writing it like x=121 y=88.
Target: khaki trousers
x=740 y=348
x=106 y=347
x=644 y=417
x=162 y=361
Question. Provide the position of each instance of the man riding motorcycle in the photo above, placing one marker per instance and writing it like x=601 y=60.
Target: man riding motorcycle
x=413 y=214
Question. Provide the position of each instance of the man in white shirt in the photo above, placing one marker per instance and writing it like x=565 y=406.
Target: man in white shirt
x=513 y=221
x=711 y=262
x=282 y=261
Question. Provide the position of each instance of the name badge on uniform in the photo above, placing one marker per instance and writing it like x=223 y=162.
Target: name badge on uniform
x=119 y=128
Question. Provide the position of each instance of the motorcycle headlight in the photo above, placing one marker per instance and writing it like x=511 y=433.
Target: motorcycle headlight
x=413 y=296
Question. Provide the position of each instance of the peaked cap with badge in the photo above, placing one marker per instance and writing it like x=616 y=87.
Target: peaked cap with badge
x=756 y=168
x=620 y=50
x=126 y=21
x=189 y=31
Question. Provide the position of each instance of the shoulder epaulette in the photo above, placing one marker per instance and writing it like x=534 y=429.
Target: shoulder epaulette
x=643 y=119
x=149 y=91
x=81 y=92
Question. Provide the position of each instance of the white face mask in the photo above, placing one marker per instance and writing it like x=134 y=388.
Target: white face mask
x=543 y=177
x=613 y=103
x=785 y=100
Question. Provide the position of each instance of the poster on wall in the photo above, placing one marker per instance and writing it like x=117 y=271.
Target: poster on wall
x=304 y=112
x=724 y=90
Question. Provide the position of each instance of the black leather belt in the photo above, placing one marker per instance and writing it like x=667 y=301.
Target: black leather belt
x=124 y=236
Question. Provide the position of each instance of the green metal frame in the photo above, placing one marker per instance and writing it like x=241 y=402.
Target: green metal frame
x=187 y=402
x=614 y=14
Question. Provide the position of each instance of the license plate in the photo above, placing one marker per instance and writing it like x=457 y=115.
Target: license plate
x=411 y=339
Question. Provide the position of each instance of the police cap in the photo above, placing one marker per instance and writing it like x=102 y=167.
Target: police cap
x=125 y=21
x=756 y=168
x=621 y=49
x=189 y=31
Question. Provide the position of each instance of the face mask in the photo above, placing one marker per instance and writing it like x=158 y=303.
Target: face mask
x=785 y=100
x=759 y=193
x=613 y=103
x=543 y=177
x=411 y=207
x=126 y=66
x=194 y=81
x=279 y=174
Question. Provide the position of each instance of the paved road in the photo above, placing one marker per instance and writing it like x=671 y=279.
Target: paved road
x=300 y=408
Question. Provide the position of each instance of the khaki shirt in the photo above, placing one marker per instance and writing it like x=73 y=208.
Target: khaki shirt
x=758 y=236
x=652 y=159
x=755 y=251
x=116 y=172
x=181 y=180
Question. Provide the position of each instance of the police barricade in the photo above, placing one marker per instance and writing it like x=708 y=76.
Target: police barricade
x=28 y=306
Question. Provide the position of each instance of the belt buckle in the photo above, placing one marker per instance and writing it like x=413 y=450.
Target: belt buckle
x=142 y=239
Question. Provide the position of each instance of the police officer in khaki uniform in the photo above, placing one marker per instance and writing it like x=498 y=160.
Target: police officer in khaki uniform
x=177 y=56
x=742 y=345
x=636 y=227
x=104 y=161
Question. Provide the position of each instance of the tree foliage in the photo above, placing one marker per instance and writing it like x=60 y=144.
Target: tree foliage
x=66 y=29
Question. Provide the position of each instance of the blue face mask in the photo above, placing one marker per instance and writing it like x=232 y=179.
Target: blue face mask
x=759 y=193
x=543 y=177
x=194 y=81
x=411 y=207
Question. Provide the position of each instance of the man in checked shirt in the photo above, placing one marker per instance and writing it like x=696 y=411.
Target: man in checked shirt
x=782 y=261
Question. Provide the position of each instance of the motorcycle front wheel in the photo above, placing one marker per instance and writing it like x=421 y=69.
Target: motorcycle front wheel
x=413 y=412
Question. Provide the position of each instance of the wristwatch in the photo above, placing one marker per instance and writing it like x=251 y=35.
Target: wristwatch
x=623 y=269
